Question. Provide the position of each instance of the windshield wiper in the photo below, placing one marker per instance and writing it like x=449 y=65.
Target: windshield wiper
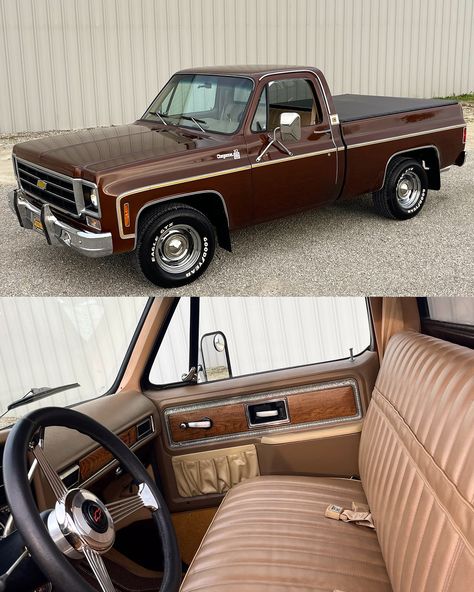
x=36 y=394
x=186 y=117
x=160 y=115
x=194 y=120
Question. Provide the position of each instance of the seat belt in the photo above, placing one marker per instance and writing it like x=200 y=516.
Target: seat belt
x=360 y=514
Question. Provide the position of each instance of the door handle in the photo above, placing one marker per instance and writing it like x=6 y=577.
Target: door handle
x=321 y=132
x=269 y=413
x=203 y=424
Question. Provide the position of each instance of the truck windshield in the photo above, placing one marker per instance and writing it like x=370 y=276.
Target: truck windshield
x=203 y=102
x=49 y=342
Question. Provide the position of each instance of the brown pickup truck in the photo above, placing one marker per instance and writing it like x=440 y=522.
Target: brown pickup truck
x=223 y=148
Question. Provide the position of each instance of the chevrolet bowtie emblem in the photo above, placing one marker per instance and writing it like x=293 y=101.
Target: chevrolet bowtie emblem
x=41 y=184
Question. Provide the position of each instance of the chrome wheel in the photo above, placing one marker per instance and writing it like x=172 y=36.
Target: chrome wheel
x=178 y=248
x=409 y=190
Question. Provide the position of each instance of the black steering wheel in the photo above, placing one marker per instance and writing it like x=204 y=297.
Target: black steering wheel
x=80 y=525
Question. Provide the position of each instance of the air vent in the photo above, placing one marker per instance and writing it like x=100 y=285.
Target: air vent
x=71 y=477
x=145 y=428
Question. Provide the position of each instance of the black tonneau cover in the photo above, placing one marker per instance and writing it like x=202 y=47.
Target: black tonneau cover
x=354 y=107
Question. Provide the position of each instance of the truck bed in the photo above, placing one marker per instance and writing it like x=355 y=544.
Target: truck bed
x=354 y=107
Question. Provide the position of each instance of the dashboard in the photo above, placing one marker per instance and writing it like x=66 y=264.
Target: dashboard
x=79 y=460
x=89 y=467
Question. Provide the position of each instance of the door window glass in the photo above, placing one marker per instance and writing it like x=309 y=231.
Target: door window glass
x=452 y=310
x=240 y=336
x=294 y=95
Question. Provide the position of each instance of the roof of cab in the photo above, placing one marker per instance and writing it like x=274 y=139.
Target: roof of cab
x=254 y=71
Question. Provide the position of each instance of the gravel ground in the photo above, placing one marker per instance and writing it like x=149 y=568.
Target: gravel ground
x=345 y=249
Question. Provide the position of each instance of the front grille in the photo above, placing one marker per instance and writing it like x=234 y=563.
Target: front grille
x=59 y=191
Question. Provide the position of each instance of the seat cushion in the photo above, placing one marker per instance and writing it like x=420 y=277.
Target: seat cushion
x=270 y=533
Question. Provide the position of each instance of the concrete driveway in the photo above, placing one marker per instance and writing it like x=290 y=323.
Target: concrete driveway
x=346 y=249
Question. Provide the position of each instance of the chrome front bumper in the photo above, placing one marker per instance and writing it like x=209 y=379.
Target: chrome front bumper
x=57 y=232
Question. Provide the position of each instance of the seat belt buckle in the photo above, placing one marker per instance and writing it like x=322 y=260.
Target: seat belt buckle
x=334 y=512
x=360 y=514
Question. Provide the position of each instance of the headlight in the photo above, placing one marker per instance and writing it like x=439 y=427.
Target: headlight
x=91 y=198
x=94 y=199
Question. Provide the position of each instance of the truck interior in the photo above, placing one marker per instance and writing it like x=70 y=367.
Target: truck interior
x=254 y=444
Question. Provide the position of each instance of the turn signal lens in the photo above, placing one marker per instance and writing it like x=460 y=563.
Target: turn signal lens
x=93 y=223
x=126 y=215
x=464 y=135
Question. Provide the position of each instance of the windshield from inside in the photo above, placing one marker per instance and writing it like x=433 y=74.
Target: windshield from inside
x=56 y=342
x=202 y=102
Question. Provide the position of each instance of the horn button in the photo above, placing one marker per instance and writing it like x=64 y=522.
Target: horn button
x=95 y=516
x=79 y=520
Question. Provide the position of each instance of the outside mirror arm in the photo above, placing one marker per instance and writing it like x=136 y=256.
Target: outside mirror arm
x=277 y=142
x=191 y=376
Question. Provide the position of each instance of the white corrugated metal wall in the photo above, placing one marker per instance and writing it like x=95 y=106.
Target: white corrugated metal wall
x=79 y=63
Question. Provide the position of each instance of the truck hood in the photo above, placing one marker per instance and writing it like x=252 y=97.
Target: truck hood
x=102 y=149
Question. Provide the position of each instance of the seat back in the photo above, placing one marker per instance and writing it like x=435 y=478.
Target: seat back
x=417 y=464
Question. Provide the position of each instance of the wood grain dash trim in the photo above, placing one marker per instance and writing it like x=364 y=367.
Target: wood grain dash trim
x=99 y=458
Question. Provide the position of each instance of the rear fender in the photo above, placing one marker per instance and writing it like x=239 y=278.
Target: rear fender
x=429 y=158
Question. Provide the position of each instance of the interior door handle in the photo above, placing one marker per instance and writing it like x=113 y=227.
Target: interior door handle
x=203 y=424
x=268 y=413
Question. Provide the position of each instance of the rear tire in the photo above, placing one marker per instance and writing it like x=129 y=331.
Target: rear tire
x=176 y=244
x=404 y=192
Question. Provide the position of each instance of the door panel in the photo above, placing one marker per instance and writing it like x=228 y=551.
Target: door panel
x=336 y=452
x=326 y=404
x=307 y=178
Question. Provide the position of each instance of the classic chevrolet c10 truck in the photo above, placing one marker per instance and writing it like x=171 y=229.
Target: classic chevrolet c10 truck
x=223 y=148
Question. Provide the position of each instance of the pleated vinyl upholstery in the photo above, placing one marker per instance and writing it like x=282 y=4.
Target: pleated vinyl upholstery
x=270 y=534
x=417 y=464
x=417 y=470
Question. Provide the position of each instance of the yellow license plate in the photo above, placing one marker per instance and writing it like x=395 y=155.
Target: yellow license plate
x=37 y=225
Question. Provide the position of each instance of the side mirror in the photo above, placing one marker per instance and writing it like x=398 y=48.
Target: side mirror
x=290 y=126
x=215 y=356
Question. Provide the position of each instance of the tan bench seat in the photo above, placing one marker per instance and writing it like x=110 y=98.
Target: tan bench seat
x=417 y=470
x=271 y=534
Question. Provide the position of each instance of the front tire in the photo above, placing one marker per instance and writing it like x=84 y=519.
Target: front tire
x=176 y=244
x=404 y=192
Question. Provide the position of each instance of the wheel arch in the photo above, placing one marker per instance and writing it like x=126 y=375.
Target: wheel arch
x=430 y=160
x=211 y=203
